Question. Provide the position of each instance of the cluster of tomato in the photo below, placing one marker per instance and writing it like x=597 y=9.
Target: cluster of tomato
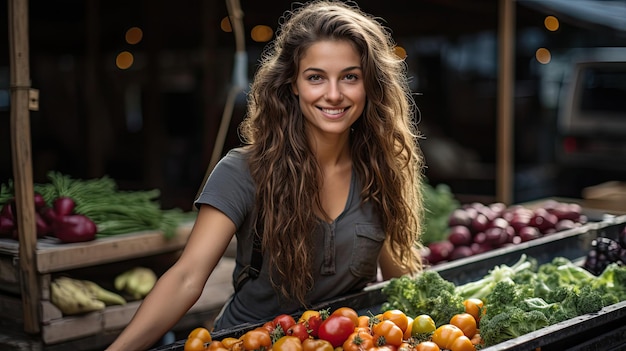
x=345 y=330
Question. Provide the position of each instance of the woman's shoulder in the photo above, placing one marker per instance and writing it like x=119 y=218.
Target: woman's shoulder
x=236 y=156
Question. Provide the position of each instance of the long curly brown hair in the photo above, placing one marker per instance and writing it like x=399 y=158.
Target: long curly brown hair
x=384 y=142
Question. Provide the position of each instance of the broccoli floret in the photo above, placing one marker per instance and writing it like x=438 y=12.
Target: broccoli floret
x=510 y=324
x=482 y=287
x=611 y=283
x=561 y=271
x=506 y=294
x=572 y=301
x=537 y=304
x=427 y=293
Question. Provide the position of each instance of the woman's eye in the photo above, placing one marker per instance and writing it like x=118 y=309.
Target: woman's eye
x=315 y=77
x=351 y=76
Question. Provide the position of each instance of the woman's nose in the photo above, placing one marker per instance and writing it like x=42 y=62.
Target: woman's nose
x=333 y=93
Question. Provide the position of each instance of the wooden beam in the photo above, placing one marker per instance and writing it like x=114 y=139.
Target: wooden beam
x=506 y=49
x=22 y=161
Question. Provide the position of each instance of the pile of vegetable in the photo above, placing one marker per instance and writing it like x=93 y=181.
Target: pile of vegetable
x=605 y=251
x=476 y=228
x=517 y=299
x=344 y=329
x=76 y=210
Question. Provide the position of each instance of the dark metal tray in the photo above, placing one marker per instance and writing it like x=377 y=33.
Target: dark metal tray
x=605 y=330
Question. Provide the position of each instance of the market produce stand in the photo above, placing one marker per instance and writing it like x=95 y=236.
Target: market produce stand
x=97 y=329
x=603 y=330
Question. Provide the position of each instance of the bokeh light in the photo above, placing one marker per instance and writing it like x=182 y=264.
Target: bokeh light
x=225 y=25
x=400 y=52
x=543 y=56
x=261 y=33
x=134 y=35
x=551 y=23
x=124 y=60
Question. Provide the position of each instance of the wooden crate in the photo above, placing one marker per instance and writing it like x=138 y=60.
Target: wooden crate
x=104 y=256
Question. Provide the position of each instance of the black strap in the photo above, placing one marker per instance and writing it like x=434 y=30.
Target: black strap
x=252 y=270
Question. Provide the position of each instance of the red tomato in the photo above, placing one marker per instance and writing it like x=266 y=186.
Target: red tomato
x=269 y=326
x=313 y=324
x=284 y=320
x=287 y=343
x=298 y=330
x=307 y=314
x=348 y=312
x=336 y=329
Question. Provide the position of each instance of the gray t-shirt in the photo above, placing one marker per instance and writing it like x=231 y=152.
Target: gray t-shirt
x=347 y=249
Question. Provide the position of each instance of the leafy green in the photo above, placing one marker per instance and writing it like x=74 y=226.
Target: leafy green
x=482 y=287
x=427 y=293
x=114 y=211
x=439 y=203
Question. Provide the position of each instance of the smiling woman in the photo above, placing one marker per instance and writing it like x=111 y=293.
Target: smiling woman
x=325 y=189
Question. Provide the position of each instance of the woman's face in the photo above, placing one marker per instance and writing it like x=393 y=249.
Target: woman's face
x=330 y=88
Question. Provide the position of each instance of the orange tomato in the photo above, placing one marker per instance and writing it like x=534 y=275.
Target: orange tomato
x=406 y=346
x=229 y=342
x=465 y=322
x=474 y=307
x=256 y=339
x=477 y=339
x=358 y=341
x=316 y=345
x=445 y=335
x=427 y=346
x=348 y=312
x=364 y=321
x=216 y=345
x=200 y=333
x=194 y=344
x=409 y=328
x=389 y=331
x=462 y=343
x=398 y=317
x=287 y=343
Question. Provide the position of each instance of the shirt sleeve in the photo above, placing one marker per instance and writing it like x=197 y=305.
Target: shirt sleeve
x=230 y=188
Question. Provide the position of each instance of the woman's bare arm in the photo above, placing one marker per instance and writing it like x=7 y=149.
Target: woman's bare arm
x=181 y=286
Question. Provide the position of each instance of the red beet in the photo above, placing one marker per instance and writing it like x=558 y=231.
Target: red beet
x=74 y=228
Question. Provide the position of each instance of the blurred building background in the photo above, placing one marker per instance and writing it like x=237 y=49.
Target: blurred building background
x=136 y=89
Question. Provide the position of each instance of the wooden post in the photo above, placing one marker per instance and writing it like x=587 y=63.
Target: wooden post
x=22 y=162
x=506 y=49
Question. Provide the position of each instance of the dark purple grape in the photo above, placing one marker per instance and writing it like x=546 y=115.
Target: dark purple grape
x=621 y=238
x=607 y=246
x=622 y=255
x=595 y=262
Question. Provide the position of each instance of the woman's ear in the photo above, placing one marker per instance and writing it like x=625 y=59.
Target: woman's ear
x=294 y=88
